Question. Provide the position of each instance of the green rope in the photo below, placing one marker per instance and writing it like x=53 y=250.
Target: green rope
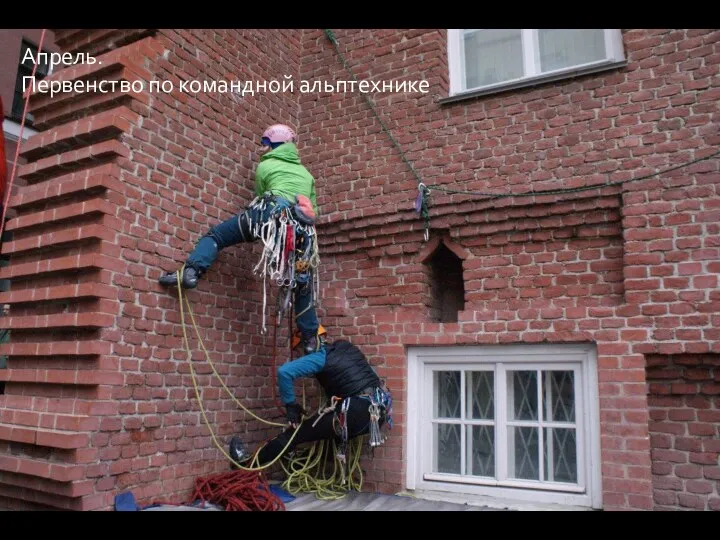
x=424 y=192
x=422 y=202
x=331 y=36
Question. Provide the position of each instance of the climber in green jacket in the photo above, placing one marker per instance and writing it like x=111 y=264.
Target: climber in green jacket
x=281 y=173
x=281 y=181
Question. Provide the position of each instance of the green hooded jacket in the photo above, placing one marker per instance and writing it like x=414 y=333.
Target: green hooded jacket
x=281 y=173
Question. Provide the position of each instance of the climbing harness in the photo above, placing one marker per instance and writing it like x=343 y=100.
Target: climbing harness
x=290 y=256
x=380 y=405
x=330 y=408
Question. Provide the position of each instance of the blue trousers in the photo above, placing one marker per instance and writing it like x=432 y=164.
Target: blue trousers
x=236 y=230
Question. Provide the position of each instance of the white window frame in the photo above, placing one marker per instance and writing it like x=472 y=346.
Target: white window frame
x=419 y=443
x=12 y=130
x=614 y=57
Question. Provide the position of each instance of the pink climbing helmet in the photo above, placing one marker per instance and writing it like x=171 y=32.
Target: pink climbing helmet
x=280 y=133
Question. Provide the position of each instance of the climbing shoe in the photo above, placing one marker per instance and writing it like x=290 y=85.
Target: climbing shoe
x=189 y=278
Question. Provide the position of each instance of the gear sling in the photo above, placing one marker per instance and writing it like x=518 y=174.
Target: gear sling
x=289 y=259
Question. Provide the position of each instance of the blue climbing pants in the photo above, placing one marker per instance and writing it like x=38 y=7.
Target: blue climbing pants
x=239 y=229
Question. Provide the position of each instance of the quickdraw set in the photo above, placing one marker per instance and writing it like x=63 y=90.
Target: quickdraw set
x=380 y=402
x=380 y=406
x=290 y=255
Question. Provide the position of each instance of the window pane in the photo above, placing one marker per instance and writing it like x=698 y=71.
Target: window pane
x=481 y=395
x=522 y=393
x=447 y=394
x=18 y=104
x=447 y=445
x=523 y=462
x=25 y=68
x=481 y=453
x=27 y=60
x=559 y=396
x=492 y=56
x=565 y=48
x=560 y=455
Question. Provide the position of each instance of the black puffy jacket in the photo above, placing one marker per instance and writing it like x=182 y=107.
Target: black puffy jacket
x=347 y=371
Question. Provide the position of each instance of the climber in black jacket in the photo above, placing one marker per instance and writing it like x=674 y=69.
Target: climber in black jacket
x=358 y=402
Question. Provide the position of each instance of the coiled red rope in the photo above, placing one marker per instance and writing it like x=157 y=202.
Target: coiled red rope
x=237 y=491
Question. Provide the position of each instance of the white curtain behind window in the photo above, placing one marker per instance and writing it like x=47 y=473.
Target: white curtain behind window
x=565 y=48
x=492 y=56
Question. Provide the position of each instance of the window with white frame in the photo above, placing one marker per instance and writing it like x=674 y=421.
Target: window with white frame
x=25 y=70
x=517 y=422
x=488 y=60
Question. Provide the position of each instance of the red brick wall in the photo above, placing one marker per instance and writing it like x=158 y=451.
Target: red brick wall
x=192 y=166
x=121 y=188
x=685 y=430
x=632 y=269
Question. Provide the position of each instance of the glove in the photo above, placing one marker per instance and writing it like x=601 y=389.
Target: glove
x=294 y=413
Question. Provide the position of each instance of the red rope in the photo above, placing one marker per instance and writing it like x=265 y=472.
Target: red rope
x=291 y=306
x=237 y=491
x=274 y=368
x=8 y=189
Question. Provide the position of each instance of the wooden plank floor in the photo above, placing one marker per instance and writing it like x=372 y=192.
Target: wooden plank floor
x=377 y=502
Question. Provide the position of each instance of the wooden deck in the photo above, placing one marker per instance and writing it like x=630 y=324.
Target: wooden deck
x=378 y=502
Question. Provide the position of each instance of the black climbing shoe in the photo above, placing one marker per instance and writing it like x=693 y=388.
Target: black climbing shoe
x=189 y=279
x=238 y=453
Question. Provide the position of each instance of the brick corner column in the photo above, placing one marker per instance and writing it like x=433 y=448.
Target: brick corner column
x=65 y=255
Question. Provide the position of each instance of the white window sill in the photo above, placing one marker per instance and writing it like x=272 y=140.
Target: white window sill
x=494 y=502
x=505 y=496
x=534 y=81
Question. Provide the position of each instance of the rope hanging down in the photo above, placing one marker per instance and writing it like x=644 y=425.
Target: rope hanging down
x=307 y=471
x=331 y=36
x=423 y=197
